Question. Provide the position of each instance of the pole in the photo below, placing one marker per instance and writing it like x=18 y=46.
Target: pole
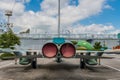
x=8 y=14
x=58 y=18
x=8 y=24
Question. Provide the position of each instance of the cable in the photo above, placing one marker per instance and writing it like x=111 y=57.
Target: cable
x=13 y=5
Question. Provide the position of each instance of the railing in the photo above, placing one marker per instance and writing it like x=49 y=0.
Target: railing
x=70 y=36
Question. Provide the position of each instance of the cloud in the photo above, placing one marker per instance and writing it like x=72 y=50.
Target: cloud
x=108 y=7
x=93 y=28
x=22 y=1
x=85 y=9
x=34 y=20
x=50 y=7
x=116 y=31
x=45 y=20
x=5 y=5
x=71 y=14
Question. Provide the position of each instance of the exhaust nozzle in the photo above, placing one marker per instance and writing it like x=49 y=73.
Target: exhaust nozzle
x=67 y=50
x=49 y=50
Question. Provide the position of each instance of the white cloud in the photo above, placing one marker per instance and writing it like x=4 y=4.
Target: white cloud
x=6 y=4
x=17 y=8
x=38 y=20
x=92 y=28
x=50 y=7
x=107 y=7
x=116 y=31
x=22 y=1
x=85 y=9
x=46 y=19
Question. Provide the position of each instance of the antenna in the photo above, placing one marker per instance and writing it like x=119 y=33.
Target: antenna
x=58 y=18
x=13 y=5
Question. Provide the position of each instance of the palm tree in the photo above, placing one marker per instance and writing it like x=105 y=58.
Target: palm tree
x=97 y=45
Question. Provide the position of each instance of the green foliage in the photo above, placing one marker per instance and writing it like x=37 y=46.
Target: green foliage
x=9 y=40
x=97 y=45
x=7 y=55
x=74 y=42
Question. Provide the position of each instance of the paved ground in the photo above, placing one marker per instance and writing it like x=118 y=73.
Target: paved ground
x=6 y=63
x=68 y=70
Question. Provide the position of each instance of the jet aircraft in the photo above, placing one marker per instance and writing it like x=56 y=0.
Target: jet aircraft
x=61 y=48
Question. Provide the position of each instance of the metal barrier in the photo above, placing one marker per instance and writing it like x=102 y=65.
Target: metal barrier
x=69 y=36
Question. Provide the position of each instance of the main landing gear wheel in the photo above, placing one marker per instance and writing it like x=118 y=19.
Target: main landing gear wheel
x=34 y=64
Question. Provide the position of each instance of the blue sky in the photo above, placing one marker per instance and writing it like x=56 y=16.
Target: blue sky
x=77 y=16
x=33 y=5
x=107 y=16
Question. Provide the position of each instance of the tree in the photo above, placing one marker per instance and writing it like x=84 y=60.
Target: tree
x=97 y=45
x=74 y=42
x=9 y=40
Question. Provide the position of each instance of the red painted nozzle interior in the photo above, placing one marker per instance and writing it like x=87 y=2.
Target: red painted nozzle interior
x=67 y=50
x=50 y=50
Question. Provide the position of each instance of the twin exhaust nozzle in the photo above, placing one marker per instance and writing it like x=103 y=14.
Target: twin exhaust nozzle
x=51 y=50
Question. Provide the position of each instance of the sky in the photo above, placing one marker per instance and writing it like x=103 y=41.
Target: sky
x=77 y=16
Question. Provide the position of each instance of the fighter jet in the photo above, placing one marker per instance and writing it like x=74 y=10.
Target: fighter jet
x=60 y=48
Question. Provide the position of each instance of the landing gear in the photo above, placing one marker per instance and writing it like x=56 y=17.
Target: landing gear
x=82 y=63
x=58 y=59
x=34 y=62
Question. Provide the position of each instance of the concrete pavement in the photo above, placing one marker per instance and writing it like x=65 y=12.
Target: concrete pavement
x=48 y=69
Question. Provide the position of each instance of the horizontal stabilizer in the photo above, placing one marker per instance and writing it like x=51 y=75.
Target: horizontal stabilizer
x=91 y=62
x=24 y=61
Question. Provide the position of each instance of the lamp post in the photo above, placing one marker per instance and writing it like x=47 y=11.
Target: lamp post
x=8 y=13
x=58 y=18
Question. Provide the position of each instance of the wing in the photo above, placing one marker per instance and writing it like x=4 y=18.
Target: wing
x=108 y=51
